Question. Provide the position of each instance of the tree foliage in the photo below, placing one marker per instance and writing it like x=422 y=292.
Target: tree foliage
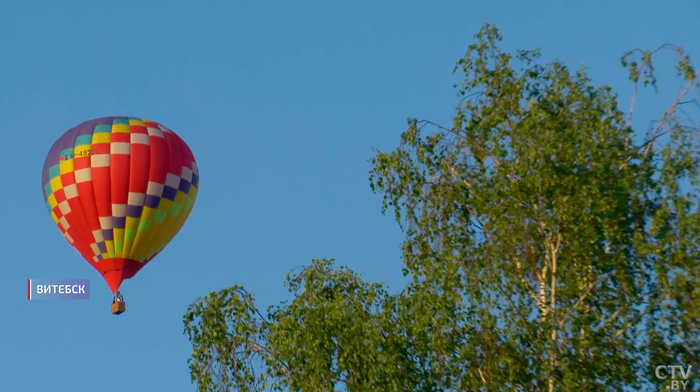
x=550 y=246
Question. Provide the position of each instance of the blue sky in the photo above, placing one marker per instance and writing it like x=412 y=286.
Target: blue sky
x=281 y=103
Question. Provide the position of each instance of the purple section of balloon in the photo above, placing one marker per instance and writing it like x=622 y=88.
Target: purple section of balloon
x=68 y=141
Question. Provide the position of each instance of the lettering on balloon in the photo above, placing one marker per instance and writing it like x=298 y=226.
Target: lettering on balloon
x=83 y=153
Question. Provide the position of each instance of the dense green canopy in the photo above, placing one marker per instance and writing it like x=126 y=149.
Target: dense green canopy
x=550 y=246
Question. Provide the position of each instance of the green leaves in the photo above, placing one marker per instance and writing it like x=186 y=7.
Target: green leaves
x=337 y=330
x=558 y=244
x=226 y=330
x=546 y=251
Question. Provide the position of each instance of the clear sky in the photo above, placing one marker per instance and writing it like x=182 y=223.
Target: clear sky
x=281 y=103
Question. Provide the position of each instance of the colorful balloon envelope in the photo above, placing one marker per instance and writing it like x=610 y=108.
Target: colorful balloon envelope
x=119 y=189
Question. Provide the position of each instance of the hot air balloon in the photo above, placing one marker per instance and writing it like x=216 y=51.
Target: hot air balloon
x=119 y=189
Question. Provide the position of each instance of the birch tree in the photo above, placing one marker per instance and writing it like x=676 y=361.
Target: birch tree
x=551 y=245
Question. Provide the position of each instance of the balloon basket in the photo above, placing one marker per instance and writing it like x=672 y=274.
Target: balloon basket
x=118 y=307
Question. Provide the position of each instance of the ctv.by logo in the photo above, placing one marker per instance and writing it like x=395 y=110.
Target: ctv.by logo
x=677 y=383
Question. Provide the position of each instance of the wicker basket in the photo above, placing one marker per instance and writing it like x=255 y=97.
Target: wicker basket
x=118 y=307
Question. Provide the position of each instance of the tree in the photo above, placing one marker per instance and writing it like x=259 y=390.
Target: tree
x=550 y=248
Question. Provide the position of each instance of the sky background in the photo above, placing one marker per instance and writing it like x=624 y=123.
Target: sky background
x=281 y=103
